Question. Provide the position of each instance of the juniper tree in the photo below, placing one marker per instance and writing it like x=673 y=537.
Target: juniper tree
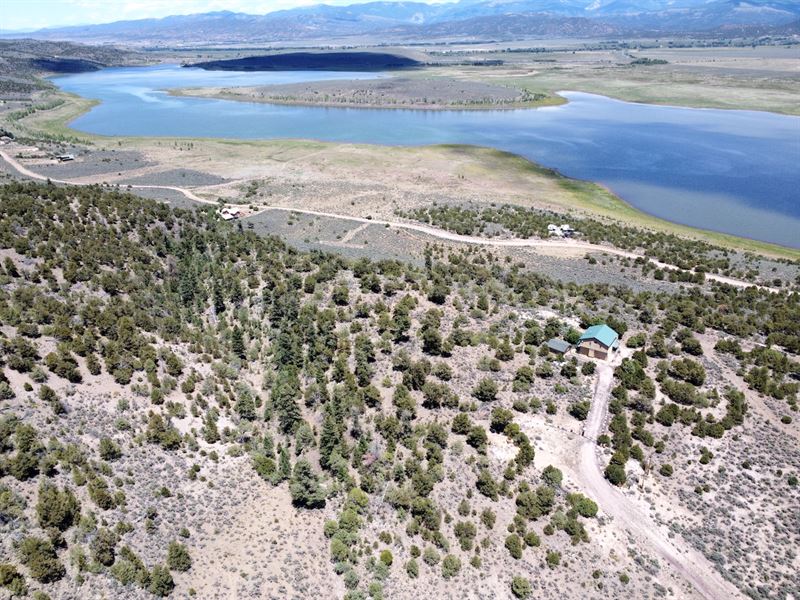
x=109 y=450
x=514 y=546
x=178 y=558
x=103 y=547
x=401 y=321
x=41 y=559
x=59 y=509
x=430 y=334
x=521 y=587
x=210 y=431
x=486 y=390
x=161 y=582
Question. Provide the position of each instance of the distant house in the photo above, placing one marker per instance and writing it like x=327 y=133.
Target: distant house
x=599 y=341
x=558 y=346
x=229 y=213
x=562 y=230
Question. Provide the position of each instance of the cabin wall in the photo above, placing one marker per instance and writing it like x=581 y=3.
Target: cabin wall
x=593 y=349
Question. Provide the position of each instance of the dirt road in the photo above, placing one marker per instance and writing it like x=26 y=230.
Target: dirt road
x=688 y=563
x=691 y=565
x=33 y=175
x=426 y=229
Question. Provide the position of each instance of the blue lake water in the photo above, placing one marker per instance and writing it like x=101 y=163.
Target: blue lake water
x=731 y=171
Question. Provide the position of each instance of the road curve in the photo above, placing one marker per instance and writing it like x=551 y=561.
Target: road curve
x=687 y=562
x=33 y=175
x=691 y=565
x=426 y=229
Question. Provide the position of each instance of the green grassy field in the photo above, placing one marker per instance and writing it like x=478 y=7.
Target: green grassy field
x=53 y=124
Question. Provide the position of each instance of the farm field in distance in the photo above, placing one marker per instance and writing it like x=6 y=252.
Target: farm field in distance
x=761 y=78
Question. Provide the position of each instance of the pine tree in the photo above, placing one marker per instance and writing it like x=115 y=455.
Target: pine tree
x=364 y=355
x=187 y=285
x=269 y=446
x=237 y=342
x=285 y=391
x=236 y=293
x=219 y=301
x=284 y=466
x=305 y=488
x=246 y=407
x=329 y=440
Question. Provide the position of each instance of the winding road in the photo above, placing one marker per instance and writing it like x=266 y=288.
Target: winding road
x=687 y=562
x=442 y=234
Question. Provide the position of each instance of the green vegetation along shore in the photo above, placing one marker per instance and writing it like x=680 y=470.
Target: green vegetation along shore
x=52 y=120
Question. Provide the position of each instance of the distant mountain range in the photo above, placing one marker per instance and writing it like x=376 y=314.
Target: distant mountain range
x=464 y=20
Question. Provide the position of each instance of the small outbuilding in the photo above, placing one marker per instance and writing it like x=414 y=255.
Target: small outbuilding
x=228 y=213
x=599 y=341
x=558 y=346
x=564 y=230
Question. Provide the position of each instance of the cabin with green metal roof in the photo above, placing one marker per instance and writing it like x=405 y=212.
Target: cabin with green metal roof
x=599 y=341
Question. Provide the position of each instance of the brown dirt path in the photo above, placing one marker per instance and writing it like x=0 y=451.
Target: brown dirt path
x=568 y=244
x=690 y=564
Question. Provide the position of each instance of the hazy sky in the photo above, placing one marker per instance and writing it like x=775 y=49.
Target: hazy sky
x=36 y=14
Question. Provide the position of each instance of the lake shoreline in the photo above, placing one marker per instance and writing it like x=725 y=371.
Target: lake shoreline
x=612 y=206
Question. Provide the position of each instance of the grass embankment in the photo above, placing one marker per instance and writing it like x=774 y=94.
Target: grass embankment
x=570 y=194
x=49 y=119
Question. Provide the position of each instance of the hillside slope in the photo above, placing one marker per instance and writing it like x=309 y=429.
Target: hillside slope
x=186 y=406
x=24 y=61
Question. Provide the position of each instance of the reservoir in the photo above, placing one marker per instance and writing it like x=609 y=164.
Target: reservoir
x=735 y=172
